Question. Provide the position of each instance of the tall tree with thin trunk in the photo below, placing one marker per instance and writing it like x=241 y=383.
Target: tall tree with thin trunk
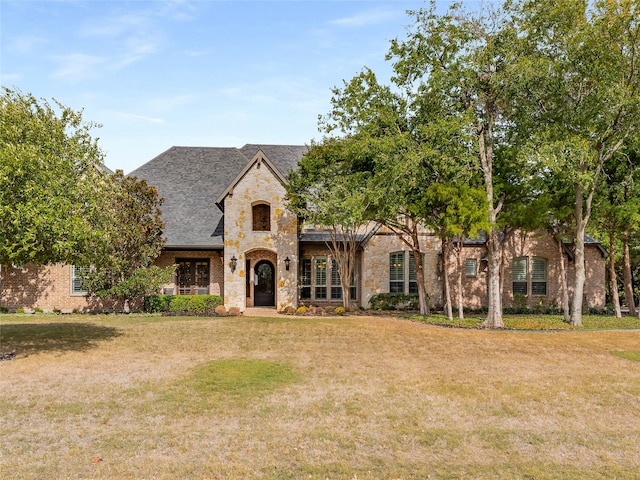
x=580 y=68
x=465 y=60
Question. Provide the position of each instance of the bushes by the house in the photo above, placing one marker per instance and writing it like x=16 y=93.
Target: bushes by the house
x=186 y=304
x=394 y=301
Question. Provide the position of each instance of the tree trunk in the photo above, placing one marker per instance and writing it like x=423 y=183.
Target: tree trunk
x=563 y=282
x=445 y=269
x=578 y=288
x=458 y=251
x=494 y=314
x=627 y=276
x=423 y=298
x=613 y=278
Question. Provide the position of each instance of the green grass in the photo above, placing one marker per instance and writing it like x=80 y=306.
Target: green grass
x=535 y=322
x=635 y=355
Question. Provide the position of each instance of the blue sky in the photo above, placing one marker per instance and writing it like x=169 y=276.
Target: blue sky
x=195 y=73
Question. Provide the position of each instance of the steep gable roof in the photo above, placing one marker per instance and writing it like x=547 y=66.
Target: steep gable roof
x=190 y=179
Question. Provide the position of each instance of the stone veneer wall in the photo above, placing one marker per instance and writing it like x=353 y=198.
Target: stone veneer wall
x=375 y=265
x=259 y=185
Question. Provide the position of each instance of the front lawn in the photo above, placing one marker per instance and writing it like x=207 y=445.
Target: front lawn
x=139 y=396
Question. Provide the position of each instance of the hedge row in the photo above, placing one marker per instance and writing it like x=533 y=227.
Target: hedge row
x=394 y=301
x=182 y=303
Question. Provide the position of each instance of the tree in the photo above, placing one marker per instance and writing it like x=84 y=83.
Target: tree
x=121 y=262
x=328 y=189
x=581 y=74
x=465 y=60
x=49 y=164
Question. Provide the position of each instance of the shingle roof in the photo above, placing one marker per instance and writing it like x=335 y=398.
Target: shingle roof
x=191 y=178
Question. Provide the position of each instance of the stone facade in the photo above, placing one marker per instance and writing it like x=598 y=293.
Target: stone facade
x=227 y=220
x=248 y=243
x=376 y=271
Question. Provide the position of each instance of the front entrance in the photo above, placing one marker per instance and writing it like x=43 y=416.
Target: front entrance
x=264 y=284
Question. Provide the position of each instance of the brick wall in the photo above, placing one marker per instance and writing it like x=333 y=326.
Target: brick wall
x=47 y=288
x=530 y=244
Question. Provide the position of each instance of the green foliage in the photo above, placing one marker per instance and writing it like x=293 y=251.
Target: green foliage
x=184 y=304
x=394 y=301
x=157 y=303
x=49 y=169
x=131 y=239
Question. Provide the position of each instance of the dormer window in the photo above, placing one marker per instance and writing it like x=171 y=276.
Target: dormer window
x=261 y=217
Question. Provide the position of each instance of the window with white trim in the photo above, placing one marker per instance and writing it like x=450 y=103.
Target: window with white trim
x=77 y=280
x=519 y=275
x=396 y=272
x=336 y=287
x=320 y=274
x=471 y=267
x=538 y=276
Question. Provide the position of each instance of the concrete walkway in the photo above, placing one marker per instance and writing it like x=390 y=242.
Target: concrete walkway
x=261 y=312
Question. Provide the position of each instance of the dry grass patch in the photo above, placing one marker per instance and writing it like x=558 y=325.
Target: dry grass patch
x=297 y=397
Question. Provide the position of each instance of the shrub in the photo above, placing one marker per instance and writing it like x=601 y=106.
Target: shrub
x=339 y=311
x=289 y=310
x=394 y=301
x=4 y=310
x=157 y=303
x=20 y=310
x=221 y=310
x=301 y=310
x=187 y=304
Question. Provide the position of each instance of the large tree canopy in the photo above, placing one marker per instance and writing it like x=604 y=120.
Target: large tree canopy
x=49 y=166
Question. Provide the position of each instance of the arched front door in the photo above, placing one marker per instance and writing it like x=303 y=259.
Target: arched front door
x=264 y=284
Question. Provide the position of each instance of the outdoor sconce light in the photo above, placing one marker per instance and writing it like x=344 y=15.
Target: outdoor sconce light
x=287 y=261
x=234 y=263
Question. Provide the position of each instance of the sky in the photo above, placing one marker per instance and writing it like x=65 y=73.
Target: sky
x=157 y=74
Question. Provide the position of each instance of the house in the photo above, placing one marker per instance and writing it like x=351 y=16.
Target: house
x=228 y=229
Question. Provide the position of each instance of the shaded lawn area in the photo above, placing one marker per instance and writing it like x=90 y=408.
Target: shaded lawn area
x=143 y=396
x=535 y=322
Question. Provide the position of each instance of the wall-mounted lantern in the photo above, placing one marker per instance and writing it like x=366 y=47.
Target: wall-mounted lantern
x=234 y=263
x=287 y=262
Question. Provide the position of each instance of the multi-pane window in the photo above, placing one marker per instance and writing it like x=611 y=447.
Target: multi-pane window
x=261 y=213
x=413 y=277
x=336 y=288
x=471 y=267
x=305 y=279
x=520 y=275
x=320 y=267
x=523 y=275
x=538 y=276
x=77 y=280
x=320 y=280
x=396 y=272
x=193 y=276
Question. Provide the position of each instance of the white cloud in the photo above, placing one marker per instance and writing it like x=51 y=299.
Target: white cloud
x=370 y=17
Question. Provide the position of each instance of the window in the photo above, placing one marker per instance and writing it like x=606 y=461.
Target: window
x=396 y=272
x=336 y=289
x=321 y=278
x=193 y=276
x=519 y=275
x=413 y=278
x=538 y=276
x=77 y=280
x=470 y=267
x=261 y=217
x=305 y=279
